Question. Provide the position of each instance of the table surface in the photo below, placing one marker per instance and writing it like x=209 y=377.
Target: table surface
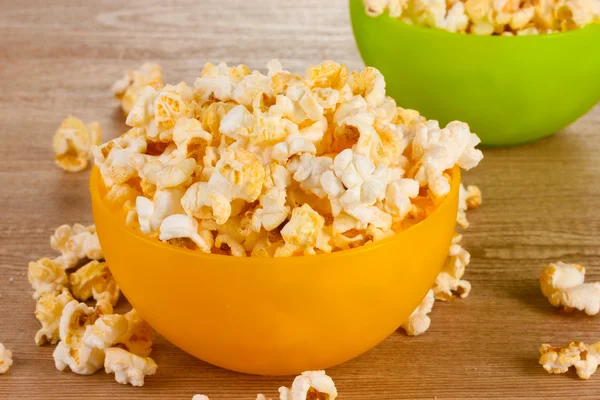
x=540 y=205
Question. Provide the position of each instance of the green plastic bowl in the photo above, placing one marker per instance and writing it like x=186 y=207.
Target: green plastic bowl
x=510 y=90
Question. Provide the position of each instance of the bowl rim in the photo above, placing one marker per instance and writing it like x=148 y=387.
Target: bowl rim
x=97 y=201
x=443 y=33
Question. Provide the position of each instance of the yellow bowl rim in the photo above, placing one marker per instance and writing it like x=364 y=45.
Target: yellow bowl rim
x=99 y=202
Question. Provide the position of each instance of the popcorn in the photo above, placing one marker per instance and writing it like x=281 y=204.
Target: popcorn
x=467 y=198
x=45 y=276
x=152 y=213
x=279 y=164
x=563 y=285
x=557 y=360
x=75 y=244
x=5 y=359
x=233 y=246
x=435 y=150
x=71 y=351
x=127 y=331
x=200 y=397
x=491 y=17
x=127 y=367
x=310 y=385
x=127 y=88
x=94 y=280
x=72 y=143
x=304 y=233
x=171 y=172
x=448 y=282
x=115 y=159
x=48 y=309
x=419 y=321
x=183 y=226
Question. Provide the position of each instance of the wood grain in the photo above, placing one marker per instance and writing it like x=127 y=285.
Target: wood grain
x=540 y=205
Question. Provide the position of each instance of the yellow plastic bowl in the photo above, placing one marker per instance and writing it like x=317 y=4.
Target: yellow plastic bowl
x=276 y=316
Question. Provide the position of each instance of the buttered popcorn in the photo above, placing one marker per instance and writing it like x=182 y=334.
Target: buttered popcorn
x=563 y=284
x=72 y=143
x=492 y=17
x=557 y=360
x=248 y=164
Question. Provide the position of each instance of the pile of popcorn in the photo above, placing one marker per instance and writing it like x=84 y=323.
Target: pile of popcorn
x=88 y=338
x=311 y=385
x=247 y=164
x=492 y=17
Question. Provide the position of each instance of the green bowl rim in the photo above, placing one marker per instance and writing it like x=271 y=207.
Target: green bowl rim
x=441 y=32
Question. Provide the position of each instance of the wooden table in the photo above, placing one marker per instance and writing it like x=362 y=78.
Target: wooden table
x=540 y=205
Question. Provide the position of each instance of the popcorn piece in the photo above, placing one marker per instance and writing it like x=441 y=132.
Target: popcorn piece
x=419 y=321
x=5 y=359
x=563 y=285
x=467 y=198
x=127 y=367
x=72 y=144
x=152 y=213
x=310 y=385
x=273 y=210
x=203 y=200
x=94 y=280
x=76 y=243
x=436 y=150
x=217 y=82
x=183 y=226
x=304 y=233
x=228 y=243
x=558 y=360
x=239 y=174
x=71 y=351
x=200 y=397
x=127 y=331
x=45 y=276
x=127 y=88
x=115 y=159
x=191 y=139
x=448 y=282
x=48 y=310
x=169 y=172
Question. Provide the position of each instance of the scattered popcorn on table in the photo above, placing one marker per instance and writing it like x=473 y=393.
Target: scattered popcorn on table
x=72 y=144
x=5 y=359
x=128 y=88
x=94 y=280
x=492 y=17
x=127 y=367
x=449 y=283
x=419 y=321
x=557 y=360
x=310 y=385
x=563 y=285
x=46 y=275
x=467 y=199
x=75 y=244
x=248 y=164
x=48 y=311
x=71 y=351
